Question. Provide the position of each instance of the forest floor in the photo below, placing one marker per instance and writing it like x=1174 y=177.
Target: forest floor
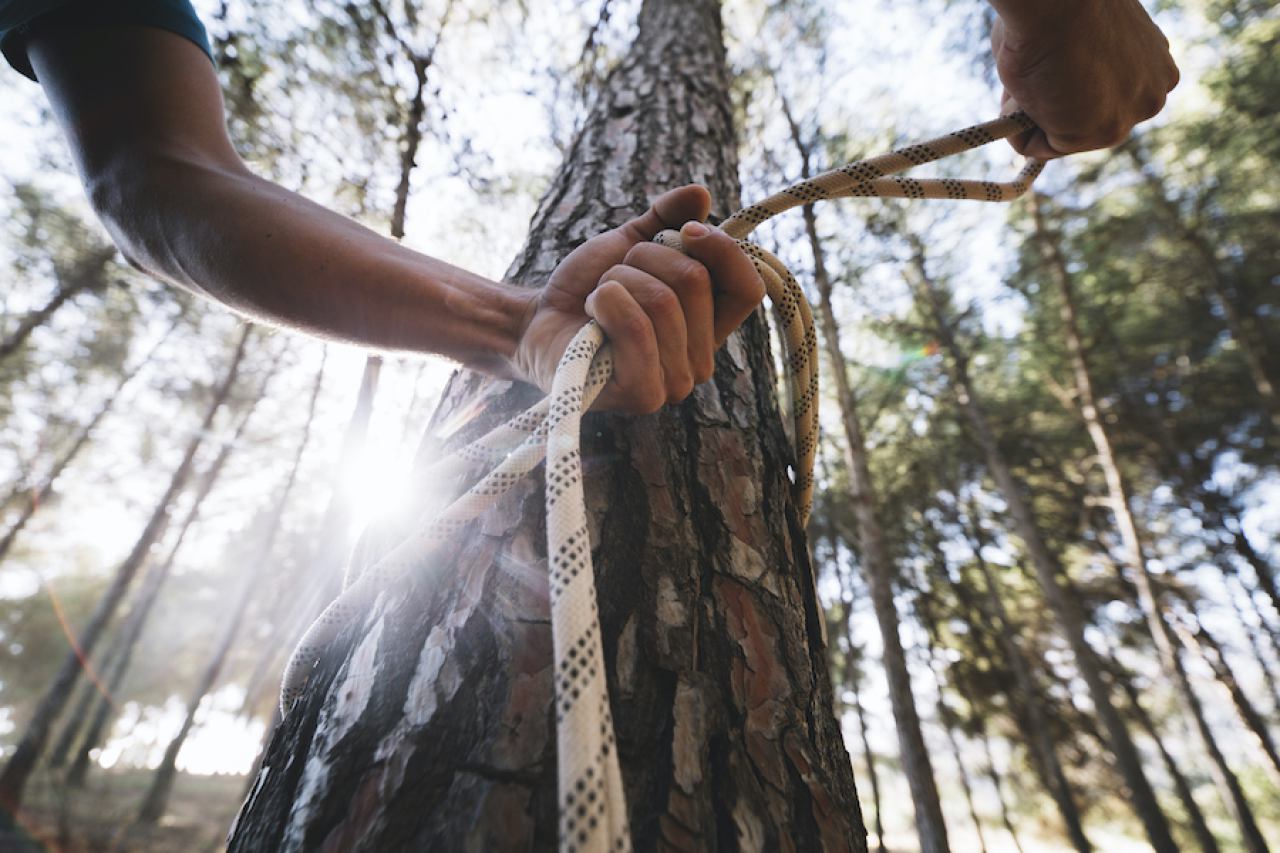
x=97 y=817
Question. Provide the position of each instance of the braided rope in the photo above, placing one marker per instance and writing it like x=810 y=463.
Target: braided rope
x=592 y=803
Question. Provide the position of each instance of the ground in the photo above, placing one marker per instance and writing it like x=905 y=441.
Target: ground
x=97 y=817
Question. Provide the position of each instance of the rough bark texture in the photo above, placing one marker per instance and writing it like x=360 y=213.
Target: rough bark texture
x=18 y=769
x=431 y=726
x=1053 y=583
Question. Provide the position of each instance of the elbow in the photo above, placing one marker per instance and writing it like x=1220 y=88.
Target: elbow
x=121 y=195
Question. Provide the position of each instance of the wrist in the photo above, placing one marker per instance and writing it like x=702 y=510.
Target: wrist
x=1029 y=17
x=519 y=306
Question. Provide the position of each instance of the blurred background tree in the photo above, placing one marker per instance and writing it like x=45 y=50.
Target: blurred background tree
x=1090 y=563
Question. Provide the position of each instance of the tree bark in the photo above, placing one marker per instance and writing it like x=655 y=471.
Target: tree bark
x=1053 y=583
x=18 y=769
x=877 y=567
x=1120 y=504
x=430 y=727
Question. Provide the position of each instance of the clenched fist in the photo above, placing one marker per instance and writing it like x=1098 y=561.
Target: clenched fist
x=1086 y=71
x=665 y=312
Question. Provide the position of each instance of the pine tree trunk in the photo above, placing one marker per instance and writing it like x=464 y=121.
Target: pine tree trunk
x=1211 y=652
x=14 y=777
x=257 y=574
x=997 y=781
x=431 y=726
x=947 y=715
x=1055 y=586
x=1199 y=826
x=1044 y=755
x=1255 y=645
x=135 y=621
x=1120 y=503
x=157 y=797
x=874 y=559
x=854 y=682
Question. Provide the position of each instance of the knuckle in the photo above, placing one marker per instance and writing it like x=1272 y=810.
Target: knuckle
x=637 y=328
x=639 y=251
x=695 y=275
x=704 y=368
x=664 y=304
x=650 y=398
x=679 y=387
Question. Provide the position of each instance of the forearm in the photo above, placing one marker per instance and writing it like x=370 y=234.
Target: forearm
x=276 y=257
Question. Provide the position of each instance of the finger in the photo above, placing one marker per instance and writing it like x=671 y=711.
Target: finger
x=736 y=286
x=691 y=282
x=662 y=306
x=636 y=386
x=668 y=211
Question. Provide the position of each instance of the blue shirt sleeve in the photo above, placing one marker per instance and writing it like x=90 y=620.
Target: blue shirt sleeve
x=19 y=18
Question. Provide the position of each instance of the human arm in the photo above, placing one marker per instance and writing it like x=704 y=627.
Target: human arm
x=143 y=114
x=1086 y=71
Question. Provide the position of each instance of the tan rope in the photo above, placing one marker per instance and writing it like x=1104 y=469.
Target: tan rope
x=592 y=803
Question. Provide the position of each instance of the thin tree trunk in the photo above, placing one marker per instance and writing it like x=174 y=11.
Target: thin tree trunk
x=87 y=275
x=1044 y=755
x=157 y=797
x=152 y=583
x=877 y=567
x=1120 y=503
x=1055 y=586
x=18 y=769
x=720 y=691
x=259 y=572
x=855 y=688
x=1204 y=644
x=1255 y=645
x=1199 y=826
x=997 y=781
x=40 y=494
x=950 y=724
x=851 y=677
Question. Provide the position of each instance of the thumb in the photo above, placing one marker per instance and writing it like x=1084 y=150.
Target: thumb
x=669 y=210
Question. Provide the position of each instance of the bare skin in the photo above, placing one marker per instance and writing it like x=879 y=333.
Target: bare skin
x=143 y=114
x=1087 y=71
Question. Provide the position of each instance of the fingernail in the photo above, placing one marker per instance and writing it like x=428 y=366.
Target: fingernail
x=589 y=306
x=695 y=229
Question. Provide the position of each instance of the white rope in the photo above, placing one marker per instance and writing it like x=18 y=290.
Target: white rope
x=592 y=802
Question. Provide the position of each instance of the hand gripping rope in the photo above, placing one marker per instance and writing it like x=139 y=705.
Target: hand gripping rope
x=592 y=803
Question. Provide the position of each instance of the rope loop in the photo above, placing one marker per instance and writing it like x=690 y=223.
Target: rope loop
x=592 y=802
